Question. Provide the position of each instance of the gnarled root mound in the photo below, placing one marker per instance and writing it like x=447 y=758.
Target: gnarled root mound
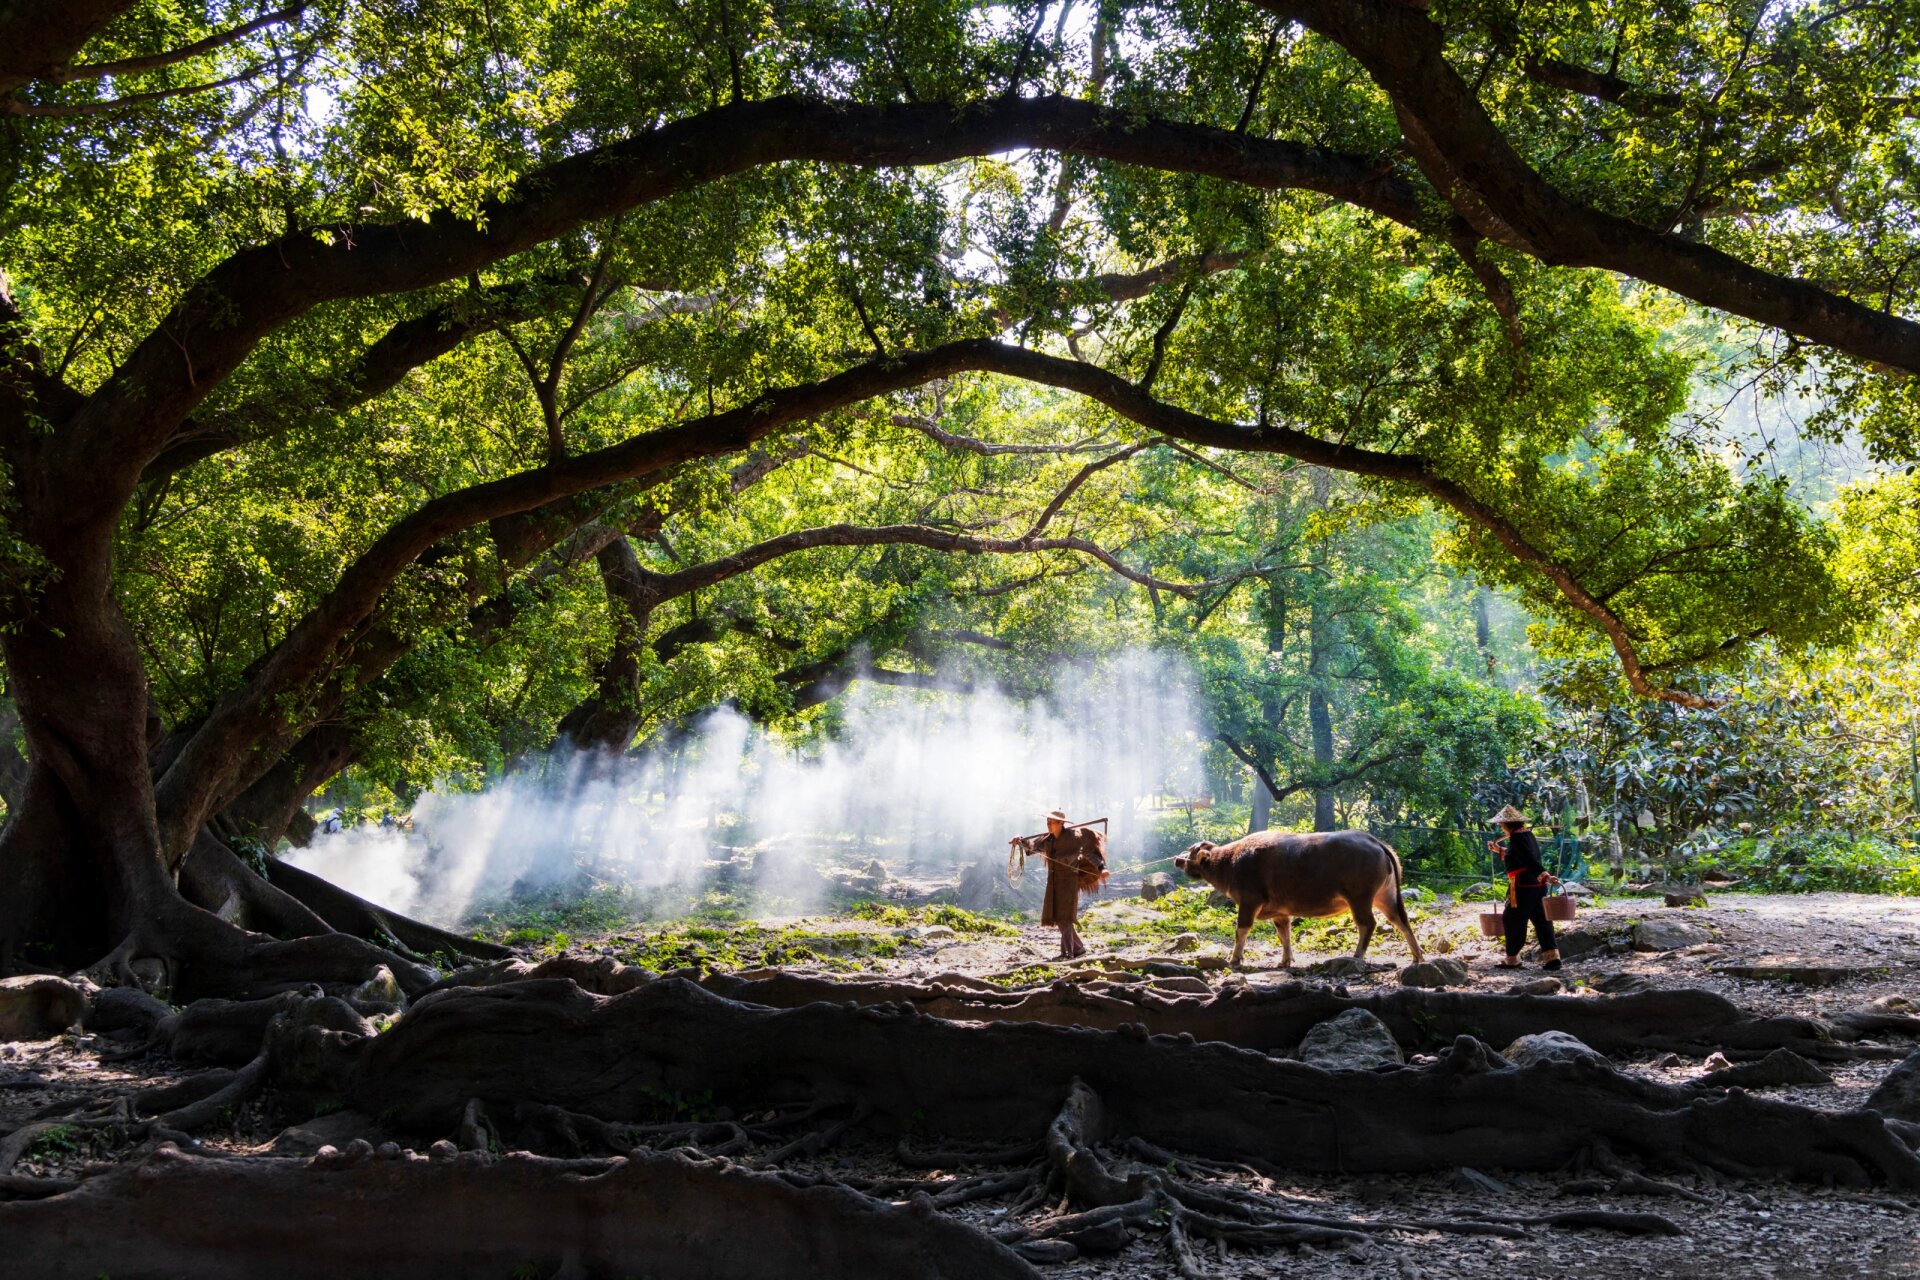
x=1685 y=1021
x=400 y=1215
x=288 y=903
x=549 y=1042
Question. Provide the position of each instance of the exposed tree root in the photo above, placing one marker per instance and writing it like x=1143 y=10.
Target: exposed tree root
x=1114 y=1199
x=242 y=1086
x=215 y=878
x=290 y=903
x=602 y=975
x=351 y=914
x=15 y=1187
x=1275 y=1019
x=394 y=1214
x=232 y=1031
x=201 y=955
x=549 y=1042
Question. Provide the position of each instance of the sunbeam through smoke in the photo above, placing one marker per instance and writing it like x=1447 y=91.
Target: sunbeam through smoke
x=921 y=780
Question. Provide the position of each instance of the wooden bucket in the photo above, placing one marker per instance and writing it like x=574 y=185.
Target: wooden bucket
x=1493 y=924
x=1559 y=907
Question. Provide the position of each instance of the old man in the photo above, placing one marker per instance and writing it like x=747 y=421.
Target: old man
x=1076 y=858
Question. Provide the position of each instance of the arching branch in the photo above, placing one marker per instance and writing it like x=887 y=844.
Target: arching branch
x=1477 y=169
x=155 y=61
x=248 y=712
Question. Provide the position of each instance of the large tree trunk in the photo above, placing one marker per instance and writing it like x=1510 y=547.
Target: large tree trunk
x=82 y=858
x=1320 y=637
x=88 y=877
x=1274 y=1020
x=13 y=765
x=609 y=717
x=1320 y=719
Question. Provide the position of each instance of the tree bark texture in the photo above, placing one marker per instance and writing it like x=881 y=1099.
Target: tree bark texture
x=1275 y=1019
x=391 y=1214
x=616 y=1057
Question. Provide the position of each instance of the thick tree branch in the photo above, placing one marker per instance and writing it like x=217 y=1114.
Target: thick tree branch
x=1602 y=85
x=219 y=321
x=38 y=37
x=1129 y=402
x=1252 y=762
x=155 y=61
x=406 y=346
x=1477 y=169
x=72 y=110
x=247 y=713
x=671 y=585
x=1080 y=477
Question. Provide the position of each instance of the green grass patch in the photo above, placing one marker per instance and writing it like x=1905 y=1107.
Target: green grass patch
x=750 y=945
x=1033 y=975
x=61 y=1140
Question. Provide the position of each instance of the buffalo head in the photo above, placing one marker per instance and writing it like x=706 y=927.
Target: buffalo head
x=1195 y=857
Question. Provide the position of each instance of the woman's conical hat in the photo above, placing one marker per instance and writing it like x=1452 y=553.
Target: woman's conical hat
x=1508 y=814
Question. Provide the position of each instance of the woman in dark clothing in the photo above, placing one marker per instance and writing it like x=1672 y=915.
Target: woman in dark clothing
x=1527 y=883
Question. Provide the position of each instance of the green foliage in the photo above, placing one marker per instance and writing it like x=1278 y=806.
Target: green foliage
x=965 y=921
x=1807 y=754
x=1339 y=627
x=1034 y=975
x=551 y=919
x=880 y=912
x=1816 y=862
x=51 y=1143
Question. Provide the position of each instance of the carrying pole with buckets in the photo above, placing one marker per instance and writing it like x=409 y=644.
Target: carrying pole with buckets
x=1558 y=905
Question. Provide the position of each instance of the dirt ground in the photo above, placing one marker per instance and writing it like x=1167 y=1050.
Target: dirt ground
x=1845 y=949
x=1749 y=1230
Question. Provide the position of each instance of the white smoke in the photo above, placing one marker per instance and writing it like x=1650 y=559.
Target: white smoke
x=919 y=779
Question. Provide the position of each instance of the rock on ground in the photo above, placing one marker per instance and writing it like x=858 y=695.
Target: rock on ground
x=1157 y=885
x=1434 y=973
x=1614 y=984
x=1575 y=943
x=381 y=990
x=36 y=1006
x=1668 y=935
x=1341 y=967
x=1899 y=1094
x=1353 y=1041
x=335 y=1129
x=1549 y=1046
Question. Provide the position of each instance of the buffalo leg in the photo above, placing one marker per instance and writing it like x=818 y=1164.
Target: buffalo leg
x=1397 y=917
x=1285 y=927
x=1242 y=928
x=1363 y=922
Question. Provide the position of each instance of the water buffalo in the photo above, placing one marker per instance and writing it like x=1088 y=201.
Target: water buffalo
x=1277 y=875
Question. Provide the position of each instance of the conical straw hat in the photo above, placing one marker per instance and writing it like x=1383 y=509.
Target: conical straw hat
x=1508 y=814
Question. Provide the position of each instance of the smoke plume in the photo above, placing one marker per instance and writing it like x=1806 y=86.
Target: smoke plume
x=919 y=779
